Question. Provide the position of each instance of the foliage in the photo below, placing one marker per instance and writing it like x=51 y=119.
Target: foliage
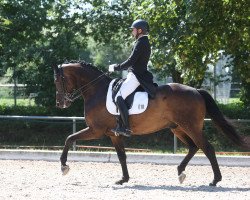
x=185 y=35
x=46 y=132
x=76 y=109
x=110 y=22
x=235 y=110
x=41 y=35
x=237 y=42
x=109 y=30
x=106 y=54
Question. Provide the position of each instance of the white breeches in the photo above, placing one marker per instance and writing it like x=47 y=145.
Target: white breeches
x=128 y=86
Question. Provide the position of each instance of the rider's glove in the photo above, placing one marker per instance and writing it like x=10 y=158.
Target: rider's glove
x=112 y=67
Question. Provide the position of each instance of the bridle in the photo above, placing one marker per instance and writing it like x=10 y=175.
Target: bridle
x=62 y=89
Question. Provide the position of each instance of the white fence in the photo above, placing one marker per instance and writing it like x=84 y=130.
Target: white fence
x=74 y=119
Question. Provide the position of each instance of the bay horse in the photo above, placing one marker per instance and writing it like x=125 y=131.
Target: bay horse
x=178 y=107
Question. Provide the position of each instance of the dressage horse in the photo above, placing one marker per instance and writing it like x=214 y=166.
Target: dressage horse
x=178 y=107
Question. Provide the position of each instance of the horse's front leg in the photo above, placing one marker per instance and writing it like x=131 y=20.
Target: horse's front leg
x=85 y=134
x=119 y=147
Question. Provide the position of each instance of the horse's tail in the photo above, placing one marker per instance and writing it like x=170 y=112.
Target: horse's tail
x=220 y=121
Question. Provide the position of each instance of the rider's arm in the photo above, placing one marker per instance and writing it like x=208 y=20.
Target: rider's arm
x=138 y=48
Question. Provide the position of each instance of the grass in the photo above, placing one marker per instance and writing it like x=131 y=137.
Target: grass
x=20 y=102
x=234 y=100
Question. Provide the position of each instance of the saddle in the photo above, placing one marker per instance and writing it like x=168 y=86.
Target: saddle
x=136 y=102
x=129 y=99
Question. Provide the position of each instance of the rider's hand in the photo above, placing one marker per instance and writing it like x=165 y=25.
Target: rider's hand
x=112 y=67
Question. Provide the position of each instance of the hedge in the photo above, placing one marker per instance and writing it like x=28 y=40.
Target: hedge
x=37 y=132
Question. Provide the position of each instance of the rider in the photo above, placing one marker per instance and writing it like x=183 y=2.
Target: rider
x=137 y=75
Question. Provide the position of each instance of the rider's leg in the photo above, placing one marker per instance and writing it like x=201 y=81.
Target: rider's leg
x=122 y=128
x=128 y=86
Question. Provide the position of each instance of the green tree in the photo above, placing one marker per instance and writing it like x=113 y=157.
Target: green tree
x=237 y=41
x=187 y=35
x=109 y=30
x=110 y=22
x=41 y=34
x=26 y=20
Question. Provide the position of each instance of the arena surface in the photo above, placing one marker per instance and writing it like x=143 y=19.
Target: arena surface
x=40 y=180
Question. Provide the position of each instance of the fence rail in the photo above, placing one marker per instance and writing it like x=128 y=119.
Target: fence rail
x=74 y=119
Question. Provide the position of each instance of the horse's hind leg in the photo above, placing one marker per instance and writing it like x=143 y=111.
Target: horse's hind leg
x=192 y=149
x=201 y=141
x=208 y=150
x=120 y=150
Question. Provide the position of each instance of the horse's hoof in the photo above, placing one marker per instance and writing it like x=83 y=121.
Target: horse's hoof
x=182 y=177
x=212 y=184
x=65 y=169
x=215 y=181
x=120 y=182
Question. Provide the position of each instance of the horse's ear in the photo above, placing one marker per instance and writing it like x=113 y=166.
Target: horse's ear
x=55 y=67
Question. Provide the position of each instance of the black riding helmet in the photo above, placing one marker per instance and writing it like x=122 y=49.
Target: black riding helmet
x=141 y=24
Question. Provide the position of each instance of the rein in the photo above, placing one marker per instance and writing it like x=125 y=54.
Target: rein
x=77 y=92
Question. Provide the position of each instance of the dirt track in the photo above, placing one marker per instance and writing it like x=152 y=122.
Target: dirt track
x=35 y=180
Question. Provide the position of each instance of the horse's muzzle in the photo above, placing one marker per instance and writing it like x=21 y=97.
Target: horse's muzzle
x=65 y=104
x=61 y=102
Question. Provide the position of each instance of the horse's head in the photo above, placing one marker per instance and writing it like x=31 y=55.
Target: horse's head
x=73 y=80
x=64 y=87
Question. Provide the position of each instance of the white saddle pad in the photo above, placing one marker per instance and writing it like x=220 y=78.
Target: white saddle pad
x=139 y=105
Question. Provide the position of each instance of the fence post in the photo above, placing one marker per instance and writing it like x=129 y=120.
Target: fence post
x=74 y=130
x=175 y=144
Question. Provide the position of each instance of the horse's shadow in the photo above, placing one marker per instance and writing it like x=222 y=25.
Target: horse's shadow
x=202 y=188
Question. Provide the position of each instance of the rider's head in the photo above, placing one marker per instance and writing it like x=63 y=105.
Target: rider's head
x=139 y=27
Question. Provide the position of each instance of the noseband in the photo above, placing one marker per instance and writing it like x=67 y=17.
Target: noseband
x=71 y=97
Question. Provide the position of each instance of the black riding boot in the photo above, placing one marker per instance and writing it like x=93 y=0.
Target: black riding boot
x=122 y=128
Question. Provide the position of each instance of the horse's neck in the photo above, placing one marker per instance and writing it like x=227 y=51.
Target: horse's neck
x=96 y=87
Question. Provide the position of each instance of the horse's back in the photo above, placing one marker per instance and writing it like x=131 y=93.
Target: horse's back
x=179 y=99
x=178 y=90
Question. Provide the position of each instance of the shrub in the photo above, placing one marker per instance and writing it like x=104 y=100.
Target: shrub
x=37 y=132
